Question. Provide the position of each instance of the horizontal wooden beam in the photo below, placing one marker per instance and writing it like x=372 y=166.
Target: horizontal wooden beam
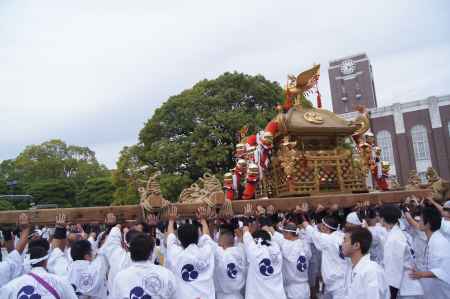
x=134 y=212
x=74 y=215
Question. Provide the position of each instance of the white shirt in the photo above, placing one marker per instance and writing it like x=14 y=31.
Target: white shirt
x=334 y=265
x=11 y=267
x=379 y=235
x=229 y=271
x=264 y=278
x=438 y=262
x=445 y=228
x=118 y=258
x=193 y=268
x=58 y=263
x=27 y=285
x=398 y=263
x=296 y=257
x=144 y=278
x=366 y=281
x=89 y=278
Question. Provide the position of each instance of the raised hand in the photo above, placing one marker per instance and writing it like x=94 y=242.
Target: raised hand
x=270 y=210
x=110 y=219
x=260 y=210
x=152 y=219
x=226 y=211
x=23 y=221
x=60 y=220
x=172 y=213
x=248 y=210
x=202 y=213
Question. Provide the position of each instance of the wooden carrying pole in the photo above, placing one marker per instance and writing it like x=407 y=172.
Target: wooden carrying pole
x=135 y=213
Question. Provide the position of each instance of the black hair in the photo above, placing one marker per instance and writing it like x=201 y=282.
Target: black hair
x=130 y=235
x=39 y=243
x=362 y=236
x=37 y=252
x=332 y=222
x=390 y=214
x=432 y=216
x=79 y=249
x=141 y=247
x=188 y=234
x=262 y=234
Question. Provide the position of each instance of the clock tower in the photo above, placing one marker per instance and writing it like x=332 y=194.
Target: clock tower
x=351 y=83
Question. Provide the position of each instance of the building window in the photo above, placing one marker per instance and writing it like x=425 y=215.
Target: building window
x=421 y=149
x=384 y=141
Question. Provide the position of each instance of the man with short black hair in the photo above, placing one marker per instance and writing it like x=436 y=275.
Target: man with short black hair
x=399 y=258
x=192 y=263
x=142 y=278
x=436 y=277
x=38 y=283
x=365 y=279
x=86 y=273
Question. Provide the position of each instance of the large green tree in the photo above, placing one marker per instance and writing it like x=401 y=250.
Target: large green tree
x=96 y=192
x=52 y=172
x=196 y=131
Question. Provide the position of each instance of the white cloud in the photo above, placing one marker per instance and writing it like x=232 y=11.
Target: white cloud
x=92 y=72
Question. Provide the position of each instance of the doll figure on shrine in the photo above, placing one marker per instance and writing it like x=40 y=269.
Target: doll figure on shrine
x=383 y=180
x=239 y=175
x=228 y=185
x=251 y=182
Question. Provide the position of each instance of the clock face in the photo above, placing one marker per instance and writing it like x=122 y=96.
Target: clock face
x=347 y=67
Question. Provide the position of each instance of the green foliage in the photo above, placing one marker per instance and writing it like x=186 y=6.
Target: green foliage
x=96 y=192
x=53 y=191
x=196 y=131
x=6 y=205
x=172 y=185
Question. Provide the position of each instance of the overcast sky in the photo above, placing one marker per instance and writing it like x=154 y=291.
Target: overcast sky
x=92 y=72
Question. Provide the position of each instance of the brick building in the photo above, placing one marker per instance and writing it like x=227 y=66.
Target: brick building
x=412 y=135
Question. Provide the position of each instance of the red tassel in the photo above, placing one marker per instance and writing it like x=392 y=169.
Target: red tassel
x=319 y=99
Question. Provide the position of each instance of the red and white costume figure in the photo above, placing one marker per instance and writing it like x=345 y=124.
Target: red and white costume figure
x=382 y=181
x=228 y=185
x=239 y=174
x=251 y=181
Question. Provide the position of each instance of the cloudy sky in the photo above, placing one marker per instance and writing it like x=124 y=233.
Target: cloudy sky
x=92 y=72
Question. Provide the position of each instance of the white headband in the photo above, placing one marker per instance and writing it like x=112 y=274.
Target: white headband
x=353 y=218
x=38 y=260
x=329 y=226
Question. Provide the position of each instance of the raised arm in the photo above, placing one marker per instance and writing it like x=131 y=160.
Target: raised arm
x=60 y=235
x=24 y=226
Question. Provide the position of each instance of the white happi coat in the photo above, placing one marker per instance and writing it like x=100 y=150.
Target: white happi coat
x=366 y=281
x=334 y=265
x=26 y=286
x=445 y=228
x=229 y=271
x=296 y=257
x=398 y=263
x=58 y=262
x=144 y=278
x=89 y=277
x=11 y=267
x=193 y=268
x=264 y=277
x=118 y=258
x=438 y=262
x=379 y=235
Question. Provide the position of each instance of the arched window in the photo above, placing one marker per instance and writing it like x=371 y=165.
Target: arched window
x=421 y=149
x=384 y=141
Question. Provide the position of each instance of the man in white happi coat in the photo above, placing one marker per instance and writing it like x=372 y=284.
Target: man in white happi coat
x=229 y=266
x=399 y=257
x=296 y=257
x=87 y=273
x=12 y=266
x=192 y=261
x=143 y=279
x=265 y=262
x=435 y=278
x=328 y=239
x=38 y=283
x=365 y=278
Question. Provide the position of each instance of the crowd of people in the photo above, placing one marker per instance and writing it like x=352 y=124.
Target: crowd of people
x=369 y=251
